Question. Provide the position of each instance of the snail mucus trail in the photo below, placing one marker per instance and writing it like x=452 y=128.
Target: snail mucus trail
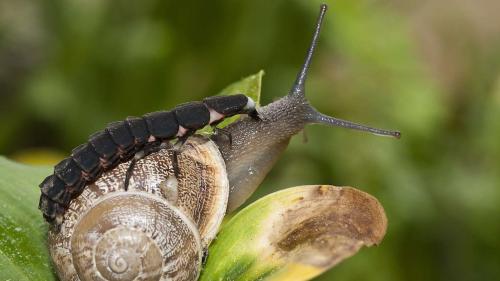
x=256 y=143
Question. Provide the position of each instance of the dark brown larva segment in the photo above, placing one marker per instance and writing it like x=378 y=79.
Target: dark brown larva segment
x=104 y=146
x=87 y=158
x=55 y=189
x=120 y=141
x=123 y=138
x=227 y=105
x=192 y=116
x=139 y=129
x=69 y=172
x=50 y=208
x=162 y=124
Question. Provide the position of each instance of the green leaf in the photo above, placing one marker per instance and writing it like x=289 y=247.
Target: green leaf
x=23 y=251
x=295 y=234
x=249 y=86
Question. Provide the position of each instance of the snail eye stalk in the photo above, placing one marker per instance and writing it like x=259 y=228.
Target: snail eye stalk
x=298 y=89
x=312 y=115
x=319 y=118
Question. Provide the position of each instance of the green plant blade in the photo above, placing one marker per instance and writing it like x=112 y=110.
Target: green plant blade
x=295 y=234
x=23 y=251
x=249 y=86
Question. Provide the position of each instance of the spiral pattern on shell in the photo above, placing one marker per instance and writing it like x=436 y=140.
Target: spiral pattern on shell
x=124 y=248
x=156 y=230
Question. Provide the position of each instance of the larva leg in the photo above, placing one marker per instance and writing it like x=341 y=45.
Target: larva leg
x=177 y=148
x=175 y=162
x=148 y=149
x=204 y=258
x=129 y=173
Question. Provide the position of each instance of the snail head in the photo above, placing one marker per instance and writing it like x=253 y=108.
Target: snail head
x=296 y=105
x=257 y=143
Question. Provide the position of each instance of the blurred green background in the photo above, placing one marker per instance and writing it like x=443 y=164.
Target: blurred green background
x=428 y=68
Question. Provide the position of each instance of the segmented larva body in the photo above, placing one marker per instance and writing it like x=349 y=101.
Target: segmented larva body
x=121 y=140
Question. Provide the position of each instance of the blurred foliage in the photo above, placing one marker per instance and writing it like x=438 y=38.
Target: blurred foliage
x=429 y=68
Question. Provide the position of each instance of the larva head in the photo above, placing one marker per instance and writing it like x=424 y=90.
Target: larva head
x=257 y=144
x=221 y=107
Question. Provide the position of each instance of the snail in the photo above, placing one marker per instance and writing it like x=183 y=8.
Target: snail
x=159 y=225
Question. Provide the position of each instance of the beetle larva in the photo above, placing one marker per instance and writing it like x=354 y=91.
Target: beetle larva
x=121 y=140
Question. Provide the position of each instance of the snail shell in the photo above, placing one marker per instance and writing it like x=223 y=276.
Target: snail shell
x=156 y=230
